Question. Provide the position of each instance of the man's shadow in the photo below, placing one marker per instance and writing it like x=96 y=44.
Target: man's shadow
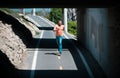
x=52 y=54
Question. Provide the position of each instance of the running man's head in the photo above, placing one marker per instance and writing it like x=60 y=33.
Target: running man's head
x=59 y=22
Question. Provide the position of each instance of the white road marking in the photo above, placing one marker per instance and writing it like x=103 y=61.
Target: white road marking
x=83 y=59
x=31 y=19
x=35 y=58
x=47 y=21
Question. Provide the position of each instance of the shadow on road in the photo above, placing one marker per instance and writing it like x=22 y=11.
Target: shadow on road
x=49 y=44
x=9 y=71
x=46 y=28
x=51 y=54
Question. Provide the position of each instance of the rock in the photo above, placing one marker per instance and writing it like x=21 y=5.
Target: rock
x=12 y=45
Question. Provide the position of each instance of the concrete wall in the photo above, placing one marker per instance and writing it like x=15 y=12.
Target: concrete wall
x=114 y=41
x=98 y=31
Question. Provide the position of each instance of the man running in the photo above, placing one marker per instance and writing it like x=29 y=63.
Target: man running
x=59 y=28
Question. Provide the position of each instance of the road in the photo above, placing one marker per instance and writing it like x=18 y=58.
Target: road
x=43 y=60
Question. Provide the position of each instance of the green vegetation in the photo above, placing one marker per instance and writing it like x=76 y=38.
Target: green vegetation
x=47 y=16
x=39 y=13
x=72 y=27
x=37 y=33
x=55 y=14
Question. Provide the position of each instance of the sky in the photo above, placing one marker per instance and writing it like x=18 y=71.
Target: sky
x=37 y=9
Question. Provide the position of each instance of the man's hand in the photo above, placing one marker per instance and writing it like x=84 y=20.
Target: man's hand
x=54 y=28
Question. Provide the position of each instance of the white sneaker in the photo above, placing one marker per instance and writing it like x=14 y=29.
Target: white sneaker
x=57 y=51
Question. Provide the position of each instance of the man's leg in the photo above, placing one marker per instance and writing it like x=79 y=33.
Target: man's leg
x=60 y=44
x=57 y=40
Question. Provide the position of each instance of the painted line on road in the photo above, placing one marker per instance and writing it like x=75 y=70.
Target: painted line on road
x=32 y=20
x=83 y=59
x=59 y=57
x=35 y=58
x=47 y=21
x=60 y=68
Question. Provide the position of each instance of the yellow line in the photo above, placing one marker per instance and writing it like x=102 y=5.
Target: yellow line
x=59 y=57
x=60 y=67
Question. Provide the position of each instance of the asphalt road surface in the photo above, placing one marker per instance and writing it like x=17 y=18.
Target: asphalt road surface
x=43 y=60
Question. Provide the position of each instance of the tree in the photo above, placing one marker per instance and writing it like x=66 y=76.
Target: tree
x=56 y=14
x=39 y=13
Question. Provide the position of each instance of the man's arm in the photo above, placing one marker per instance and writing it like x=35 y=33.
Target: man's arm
x=63 y=28
x=54 y=28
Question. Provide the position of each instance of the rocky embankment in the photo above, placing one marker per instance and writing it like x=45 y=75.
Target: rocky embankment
x=12 y=45
x=15 y=37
